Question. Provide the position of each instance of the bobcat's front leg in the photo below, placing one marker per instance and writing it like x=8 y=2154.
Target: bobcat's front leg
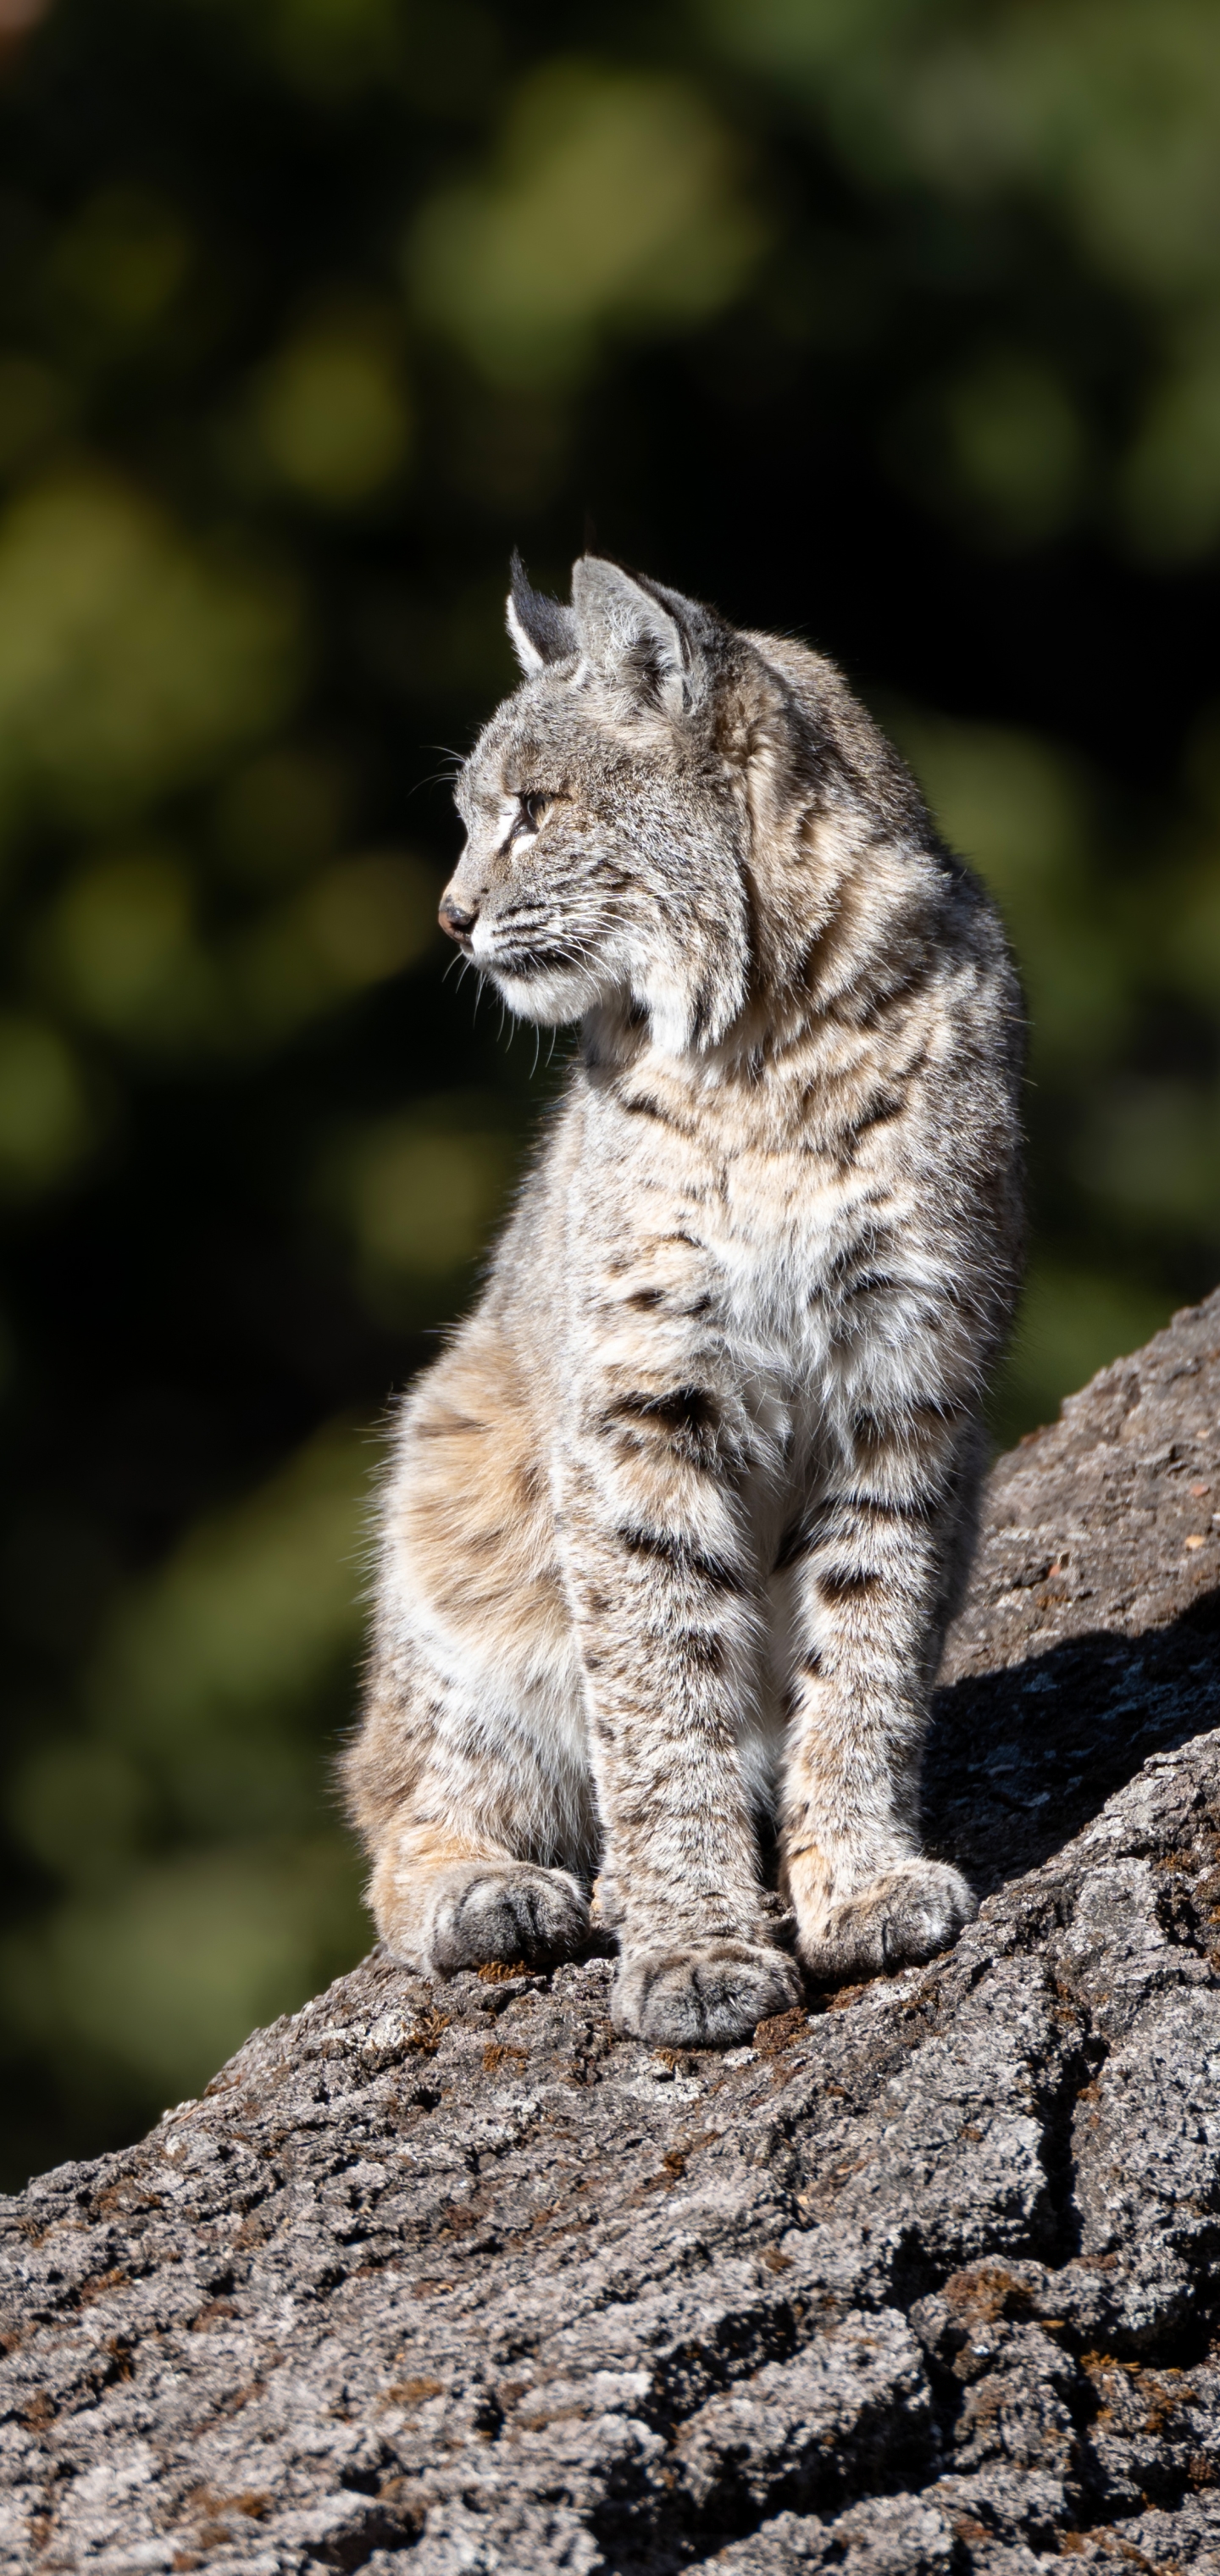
x=452 y=1834
x=873 y=1583
x=668 y=1627
x=468 y=1781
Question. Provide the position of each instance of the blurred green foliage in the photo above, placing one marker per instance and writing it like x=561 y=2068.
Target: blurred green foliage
x=894 y=322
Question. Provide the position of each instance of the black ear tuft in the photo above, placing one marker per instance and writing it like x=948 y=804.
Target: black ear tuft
x=541 y=630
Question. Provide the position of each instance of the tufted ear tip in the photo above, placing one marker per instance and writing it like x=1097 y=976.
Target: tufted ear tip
x=541 y=630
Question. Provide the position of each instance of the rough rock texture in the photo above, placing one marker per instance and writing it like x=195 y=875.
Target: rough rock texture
x=441 y=2279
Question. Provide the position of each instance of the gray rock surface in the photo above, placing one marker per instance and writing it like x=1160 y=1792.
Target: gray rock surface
x=440 y=2279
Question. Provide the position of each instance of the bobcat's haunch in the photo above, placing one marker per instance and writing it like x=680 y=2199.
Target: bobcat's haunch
x=676 y=1525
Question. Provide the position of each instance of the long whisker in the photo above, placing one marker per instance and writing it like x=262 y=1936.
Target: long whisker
x=435 y=778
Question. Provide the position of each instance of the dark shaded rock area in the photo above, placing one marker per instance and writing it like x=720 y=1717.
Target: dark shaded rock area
x=440 y=2279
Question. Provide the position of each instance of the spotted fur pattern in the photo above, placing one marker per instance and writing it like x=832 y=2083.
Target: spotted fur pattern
x=676 y=1524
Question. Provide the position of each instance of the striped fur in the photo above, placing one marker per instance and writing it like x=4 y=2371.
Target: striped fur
x=676 y=1523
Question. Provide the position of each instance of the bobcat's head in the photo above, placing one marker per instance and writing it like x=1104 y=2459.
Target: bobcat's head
x=608 y=812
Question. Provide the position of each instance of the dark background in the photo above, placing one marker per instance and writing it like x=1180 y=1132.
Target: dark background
x=892 y=322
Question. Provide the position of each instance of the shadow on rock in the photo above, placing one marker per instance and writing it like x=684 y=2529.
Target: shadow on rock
x=1022 y=1759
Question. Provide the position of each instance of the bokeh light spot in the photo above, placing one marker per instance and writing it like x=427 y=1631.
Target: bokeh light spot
x=616 y=200
x=120 y=943
x=332 y=415
x=34 y=404
x=1016 y=444
x=1019 y=810
x=114 y=271
x=46 y=1118
x=128 y=660
x=1169 y=484
x=370 y=916
x=191 y=1954
x=361 y=920
x=424 y=1204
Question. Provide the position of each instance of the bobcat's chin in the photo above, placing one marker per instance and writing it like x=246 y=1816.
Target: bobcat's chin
x=550 y=1000
x=545 y=985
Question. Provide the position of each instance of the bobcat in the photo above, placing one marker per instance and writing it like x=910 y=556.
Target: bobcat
x=676 y=1524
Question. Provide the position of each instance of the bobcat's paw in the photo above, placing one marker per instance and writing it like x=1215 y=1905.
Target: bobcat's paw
x=892 y=1922
x=712 y=1997
x=505 y=1910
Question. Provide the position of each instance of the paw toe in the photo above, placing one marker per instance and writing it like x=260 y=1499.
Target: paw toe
x=929 y=1916
x=537 y=1915
x=899 y=1920
x=706 y=1998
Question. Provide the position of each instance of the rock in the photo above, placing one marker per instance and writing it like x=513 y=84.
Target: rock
x=441 y=2279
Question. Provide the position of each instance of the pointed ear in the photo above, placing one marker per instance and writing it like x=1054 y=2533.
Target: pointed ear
x=642 y=646
x=541 y=630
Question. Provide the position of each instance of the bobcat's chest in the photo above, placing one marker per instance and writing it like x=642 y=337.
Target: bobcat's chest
x=766 y=1180
x=730 y=1242
x=782 y=1230
x=785 y=1230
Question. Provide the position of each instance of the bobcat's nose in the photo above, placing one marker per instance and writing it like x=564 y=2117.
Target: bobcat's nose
x=455 y=917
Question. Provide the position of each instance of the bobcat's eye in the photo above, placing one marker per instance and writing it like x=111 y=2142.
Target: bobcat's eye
x=533 y=806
